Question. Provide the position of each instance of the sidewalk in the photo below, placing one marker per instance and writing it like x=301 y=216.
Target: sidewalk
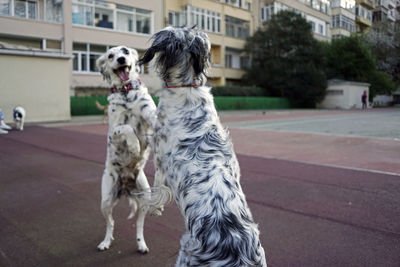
x=323 y=137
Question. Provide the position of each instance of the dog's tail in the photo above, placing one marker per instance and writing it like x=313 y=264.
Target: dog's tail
x=160 y=196
x=100 y=106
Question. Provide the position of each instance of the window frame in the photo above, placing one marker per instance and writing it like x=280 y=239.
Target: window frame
x=116 y=10
x=11 y=9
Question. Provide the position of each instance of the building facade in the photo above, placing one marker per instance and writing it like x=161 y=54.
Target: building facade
x=343 y=18
x=385 y=10
x=81 y=29
x=364 y=10
x=316 y=12
x=227 y=22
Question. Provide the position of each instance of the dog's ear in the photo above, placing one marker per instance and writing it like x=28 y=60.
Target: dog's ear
x=135 y=56
x=148 y=56
x=101 y=66
x=160 y=40
x=134 y=53
x=200 y=54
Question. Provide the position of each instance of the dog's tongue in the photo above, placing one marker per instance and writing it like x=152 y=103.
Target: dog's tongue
x=123 y=74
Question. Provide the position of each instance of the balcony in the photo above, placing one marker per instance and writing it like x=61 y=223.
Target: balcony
x=392 y=4
x=363 y=21
x=369 y=4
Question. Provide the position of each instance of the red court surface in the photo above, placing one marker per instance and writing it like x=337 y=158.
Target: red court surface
x=318 y=200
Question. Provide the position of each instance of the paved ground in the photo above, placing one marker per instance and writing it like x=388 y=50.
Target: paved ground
x=323 y=185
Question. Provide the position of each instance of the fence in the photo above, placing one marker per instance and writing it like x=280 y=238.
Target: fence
x=85 y=105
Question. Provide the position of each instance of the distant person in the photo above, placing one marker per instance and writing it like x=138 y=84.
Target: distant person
x=3 y=126
x=364 y=100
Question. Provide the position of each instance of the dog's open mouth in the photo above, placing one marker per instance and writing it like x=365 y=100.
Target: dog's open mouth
x=123 y=72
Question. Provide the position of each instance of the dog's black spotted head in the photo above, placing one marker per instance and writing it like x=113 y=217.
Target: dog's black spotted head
x=118 y=65
x=182 y=54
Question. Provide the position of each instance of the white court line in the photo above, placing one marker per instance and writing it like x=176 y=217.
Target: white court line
x=292 y=121
x=316 y=133
x=325 y=165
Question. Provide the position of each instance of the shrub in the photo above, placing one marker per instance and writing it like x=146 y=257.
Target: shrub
x=236 y=90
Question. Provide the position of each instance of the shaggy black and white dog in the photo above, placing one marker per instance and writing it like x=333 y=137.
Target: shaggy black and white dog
x=131 y=115
x=19 y=115
x=194 y=157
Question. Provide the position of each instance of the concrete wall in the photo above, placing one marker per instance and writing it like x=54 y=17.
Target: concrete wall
x=344 y=94
x=39 y=83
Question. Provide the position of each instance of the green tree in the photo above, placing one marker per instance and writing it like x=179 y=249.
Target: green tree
x=350 y=58
x=287 y=60
x=384 y=40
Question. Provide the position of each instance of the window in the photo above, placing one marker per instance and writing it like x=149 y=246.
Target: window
x=82 y=14
x=5 y=7
x=334 y=92
x=244 y=62
x=318 y=26
x=204 y=19
x=143 y=21
x=237 y=28
x=312 y=26
x=237 y=3
x=22 y=9
x=85 y=56
x=228 y=61
x=363 y=12
x=54 y=10
x=347 y=4
x=234 y=59
x=174 y=19
x=111 y=16
x=125 y=21
x=341 y=21
x=269 y=10
x=104 y=15
x=321 y=29
x=320 y=5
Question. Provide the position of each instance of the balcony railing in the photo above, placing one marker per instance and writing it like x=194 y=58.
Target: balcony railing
x=367 y=3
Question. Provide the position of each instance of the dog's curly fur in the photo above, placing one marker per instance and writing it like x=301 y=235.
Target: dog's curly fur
x=194 y=157
x=131 y=120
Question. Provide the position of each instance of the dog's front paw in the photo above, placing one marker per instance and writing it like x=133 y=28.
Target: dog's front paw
x=143 y=249
x=104 y=245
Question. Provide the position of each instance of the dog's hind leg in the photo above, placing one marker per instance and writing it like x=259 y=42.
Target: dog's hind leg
x=108 y=202
x=144 y=187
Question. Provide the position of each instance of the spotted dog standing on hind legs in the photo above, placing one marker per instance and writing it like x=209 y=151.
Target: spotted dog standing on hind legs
x=194 y=157
x=131 y=114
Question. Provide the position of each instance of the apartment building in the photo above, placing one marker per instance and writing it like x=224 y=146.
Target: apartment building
x=57 y=43
x=227 y=22
x=343 y=18
x=363 y=10
x=385 y=10
x=316 y=12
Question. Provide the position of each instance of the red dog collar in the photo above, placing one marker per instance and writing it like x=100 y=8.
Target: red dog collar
x=126 y=87
x=195 y=83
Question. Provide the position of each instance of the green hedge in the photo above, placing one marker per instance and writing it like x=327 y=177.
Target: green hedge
x=241 y=103
x=85 y=105
x=237 y=90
